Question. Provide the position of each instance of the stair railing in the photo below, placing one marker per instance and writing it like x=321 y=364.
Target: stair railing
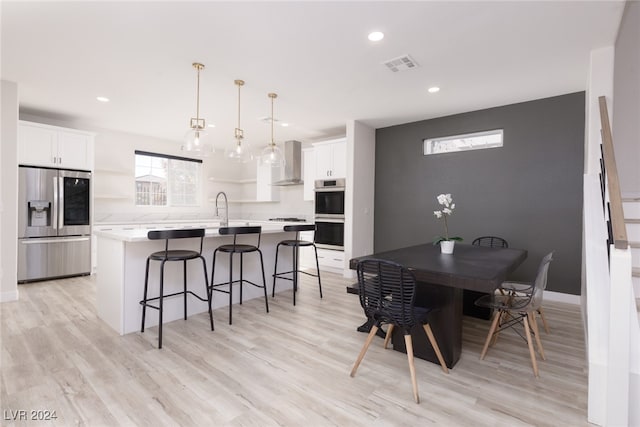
x=617 y=228
x=611 y=319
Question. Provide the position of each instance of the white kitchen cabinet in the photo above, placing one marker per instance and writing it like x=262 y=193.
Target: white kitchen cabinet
x=331 y=260
x=330 y=158
x=53 y=146
x=309 y=173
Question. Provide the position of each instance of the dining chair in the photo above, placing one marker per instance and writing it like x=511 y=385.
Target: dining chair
x=516 y=308
x=469 y=297
x=387 y=295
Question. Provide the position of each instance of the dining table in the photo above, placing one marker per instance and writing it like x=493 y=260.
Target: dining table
x=440 y=280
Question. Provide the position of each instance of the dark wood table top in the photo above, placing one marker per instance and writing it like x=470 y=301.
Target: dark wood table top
x=469 y=267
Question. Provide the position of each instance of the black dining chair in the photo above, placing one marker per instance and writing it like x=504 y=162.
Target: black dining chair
x=170 y=255
x=295 y=245
x=241 y=249
x=387 y=295
x=519 y=308
x=469 y=297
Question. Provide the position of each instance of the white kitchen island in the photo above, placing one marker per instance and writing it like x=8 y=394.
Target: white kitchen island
x=122 y=257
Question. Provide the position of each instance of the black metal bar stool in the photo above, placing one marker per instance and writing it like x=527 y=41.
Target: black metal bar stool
x=173 y=255
x=237 y=248
x=296 y=245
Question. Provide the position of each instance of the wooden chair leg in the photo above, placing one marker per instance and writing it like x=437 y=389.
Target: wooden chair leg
x=372 y=334
x=530 y=345
x=544 y=321
x=494 y=324
x=496 y=333
x=387 y=337
x=436 y=348
x=412 y=368
x=536 y=333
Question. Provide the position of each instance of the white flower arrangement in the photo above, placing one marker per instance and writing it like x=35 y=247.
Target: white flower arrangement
x=447 y=201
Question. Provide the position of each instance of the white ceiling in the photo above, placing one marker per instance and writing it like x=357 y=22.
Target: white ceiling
x=314 y=55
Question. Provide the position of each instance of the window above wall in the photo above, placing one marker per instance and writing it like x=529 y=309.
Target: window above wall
x=465 y=142
x=164 y=180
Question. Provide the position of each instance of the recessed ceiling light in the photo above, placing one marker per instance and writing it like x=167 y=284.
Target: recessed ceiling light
x=102 y=98
x=211 y=125
x=376 y=36
x=284 y=125
x=434 y=89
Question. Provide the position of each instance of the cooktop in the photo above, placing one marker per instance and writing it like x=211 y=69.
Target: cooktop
x=288 y=219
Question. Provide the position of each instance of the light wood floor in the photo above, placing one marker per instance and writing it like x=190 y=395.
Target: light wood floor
x=289 y=367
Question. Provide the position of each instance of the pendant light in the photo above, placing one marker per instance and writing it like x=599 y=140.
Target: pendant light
x=241 y=151
x=271 y=154
x=196 y=140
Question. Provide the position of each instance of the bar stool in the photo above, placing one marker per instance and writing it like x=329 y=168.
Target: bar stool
x=295 y=245
x=173 y=255
x=237 y=248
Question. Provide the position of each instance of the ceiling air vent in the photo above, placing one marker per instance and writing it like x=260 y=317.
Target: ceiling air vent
x=401 y=63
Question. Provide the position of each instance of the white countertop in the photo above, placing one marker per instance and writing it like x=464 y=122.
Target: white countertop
x=158 y=221
x=140 y=234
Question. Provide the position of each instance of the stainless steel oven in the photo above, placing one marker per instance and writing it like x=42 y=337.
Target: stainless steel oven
x=329 y=213
x=329 y=233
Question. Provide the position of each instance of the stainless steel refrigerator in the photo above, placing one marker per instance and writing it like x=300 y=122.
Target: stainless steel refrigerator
x=54 y=225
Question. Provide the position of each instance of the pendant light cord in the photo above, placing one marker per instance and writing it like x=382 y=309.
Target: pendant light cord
x=272 y=96
x=239 y=85
x=198 y=96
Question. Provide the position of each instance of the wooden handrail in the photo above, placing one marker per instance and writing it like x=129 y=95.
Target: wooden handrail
x=620 y=240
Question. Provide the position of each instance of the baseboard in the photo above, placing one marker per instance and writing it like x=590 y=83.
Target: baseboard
x=9 y=296
x=560 y=297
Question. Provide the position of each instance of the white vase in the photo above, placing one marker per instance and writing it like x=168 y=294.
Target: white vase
x=446 y=246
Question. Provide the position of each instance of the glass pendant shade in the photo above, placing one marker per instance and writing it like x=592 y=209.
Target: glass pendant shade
x=197 y=140
x=241 y=150
x=271 y=154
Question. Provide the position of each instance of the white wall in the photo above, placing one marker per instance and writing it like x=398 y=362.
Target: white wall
x=9 y=185
x=361 y=146
x=599 y=83
x=626 y=127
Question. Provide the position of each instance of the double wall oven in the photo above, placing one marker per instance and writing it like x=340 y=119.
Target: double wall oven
x=329 y=213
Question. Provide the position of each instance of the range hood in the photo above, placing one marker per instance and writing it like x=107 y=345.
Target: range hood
x=292 y=164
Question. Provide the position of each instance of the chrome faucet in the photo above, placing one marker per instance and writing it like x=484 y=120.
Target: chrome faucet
x=225 y=221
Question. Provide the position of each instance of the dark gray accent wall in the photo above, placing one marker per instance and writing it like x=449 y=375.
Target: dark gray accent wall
x=529 y=191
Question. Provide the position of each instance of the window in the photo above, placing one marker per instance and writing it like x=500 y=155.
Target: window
x=163 y=180
x=469 y=141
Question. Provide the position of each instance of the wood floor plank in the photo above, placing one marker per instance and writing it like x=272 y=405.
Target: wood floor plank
x=289 y=367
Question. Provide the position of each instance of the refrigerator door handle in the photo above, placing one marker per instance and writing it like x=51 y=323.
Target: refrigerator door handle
x=41 y=240
x=54 y=221
x=61 y=203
